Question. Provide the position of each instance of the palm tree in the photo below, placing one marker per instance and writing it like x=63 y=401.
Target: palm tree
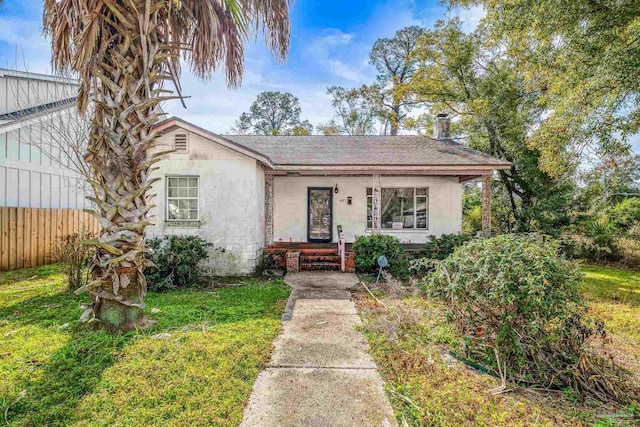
x=123 y=52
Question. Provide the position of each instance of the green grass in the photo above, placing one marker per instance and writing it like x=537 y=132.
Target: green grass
x=201 y=375
x=613 y=295
x=612 y=285
x=427 y=387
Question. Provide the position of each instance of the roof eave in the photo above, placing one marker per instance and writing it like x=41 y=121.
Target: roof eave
x=176 y=122
x=10 y=125
x=451 y=167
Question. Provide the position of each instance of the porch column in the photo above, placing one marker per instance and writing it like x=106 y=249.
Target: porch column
x=377 y=205
x=268 y=210
x=486 y=205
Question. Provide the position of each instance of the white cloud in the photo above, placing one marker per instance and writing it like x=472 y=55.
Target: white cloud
x=332 y=57
x=26 y=49
x=215 y=107
x=343 y=70
x=341 y=55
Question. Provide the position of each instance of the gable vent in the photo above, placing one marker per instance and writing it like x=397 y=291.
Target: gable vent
x=180 y=142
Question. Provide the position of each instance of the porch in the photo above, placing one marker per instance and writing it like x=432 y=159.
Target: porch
x=307 y=208
x=315 y=256
x=311 y=221
x=307 y=246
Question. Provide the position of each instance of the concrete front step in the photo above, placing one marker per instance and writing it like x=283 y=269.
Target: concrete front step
x=312 y=251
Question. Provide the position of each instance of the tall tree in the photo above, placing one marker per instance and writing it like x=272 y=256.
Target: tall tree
x=273 y=113
x=460 y=74
x=583 y=56
x=123 y=52
x=303 y=128
x=393 y=59
x=357 y=110
x=329 y=128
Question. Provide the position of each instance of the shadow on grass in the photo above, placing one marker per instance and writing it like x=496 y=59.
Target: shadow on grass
x=63 y=377
x=58 y=380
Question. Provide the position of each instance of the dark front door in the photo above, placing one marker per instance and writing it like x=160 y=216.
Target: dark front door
x=320 y=214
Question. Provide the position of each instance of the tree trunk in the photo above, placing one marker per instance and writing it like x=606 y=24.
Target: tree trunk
x=127 y=90
x=115 y=316
x=395 y=114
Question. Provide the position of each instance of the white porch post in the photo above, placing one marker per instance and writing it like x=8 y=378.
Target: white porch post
x=377 y=205
x=268 y=210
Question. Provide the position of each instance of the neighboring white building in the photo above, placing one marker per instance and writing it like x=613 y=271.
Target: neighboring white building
x=37 y=117
x=247 y=193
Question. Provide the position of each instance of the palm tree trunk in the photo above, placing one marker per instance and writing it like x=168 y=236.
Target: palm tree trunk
x=126 y=107
x=123 y=51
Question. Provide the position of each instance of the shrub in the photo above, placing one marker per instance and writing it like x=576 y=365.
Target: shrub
x=438 y=248
x=422 y=266
x=625 y=214
x=73 y=253
x=177 y=262
x=629 y=251
x=443 y=246
x=472 y=221
x=518 y=307
x=603 y=232
x=606 y=234
x=368 y=248
x=580 y=246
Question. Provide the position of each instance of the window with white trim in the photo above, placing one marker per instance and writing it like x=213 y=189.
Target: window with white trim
x=401 y=208
x=182 y=198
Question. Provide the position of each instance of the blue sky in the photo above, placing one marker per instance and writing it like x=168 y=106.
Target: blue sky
x=330 y=44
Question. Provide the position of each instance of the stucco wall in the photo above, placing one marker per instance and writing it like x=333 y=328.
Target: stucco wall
x=290 y=206
x=231 y=202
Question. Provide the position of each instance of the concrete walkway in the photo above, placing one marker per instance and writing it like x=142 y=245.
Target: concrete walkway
x=321 y=373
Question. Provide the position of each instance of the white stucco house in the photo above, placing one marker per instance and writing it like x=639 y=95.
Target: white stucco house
x=249 y=195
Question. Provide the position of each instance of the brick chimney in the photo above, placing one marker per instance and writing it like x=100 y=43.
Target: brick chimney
x=443 y=126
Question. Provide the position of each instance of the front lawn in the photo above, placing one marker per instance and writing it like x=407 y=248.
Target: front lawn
x=53 y=371
x=411 y=344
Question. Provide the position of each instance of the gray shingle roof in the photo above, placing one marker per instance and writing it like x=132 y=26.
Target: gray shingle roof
x=342 y=150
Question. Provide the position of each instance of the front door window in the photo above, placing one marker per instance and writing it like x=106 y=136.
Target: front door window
x=320 y=217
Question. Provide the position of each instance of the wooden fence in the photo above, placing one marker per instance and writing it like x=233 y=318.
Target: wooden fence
x=27 y=234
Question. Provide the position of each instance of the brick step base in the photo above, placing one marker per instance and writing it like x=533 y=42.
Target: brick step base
x=322 y=266
x=307 y=259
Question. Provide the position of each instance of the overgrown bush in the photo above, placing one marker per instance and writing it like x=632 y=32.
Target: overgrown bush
x=626 y=214
x=421 y=266
x=608 y=234
x=368 y=249
x=177 y=262
x=443 y=246
x=629 y=251
x=438 y=248
x=517 y=304
x=580 y=246
x=73 y=254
